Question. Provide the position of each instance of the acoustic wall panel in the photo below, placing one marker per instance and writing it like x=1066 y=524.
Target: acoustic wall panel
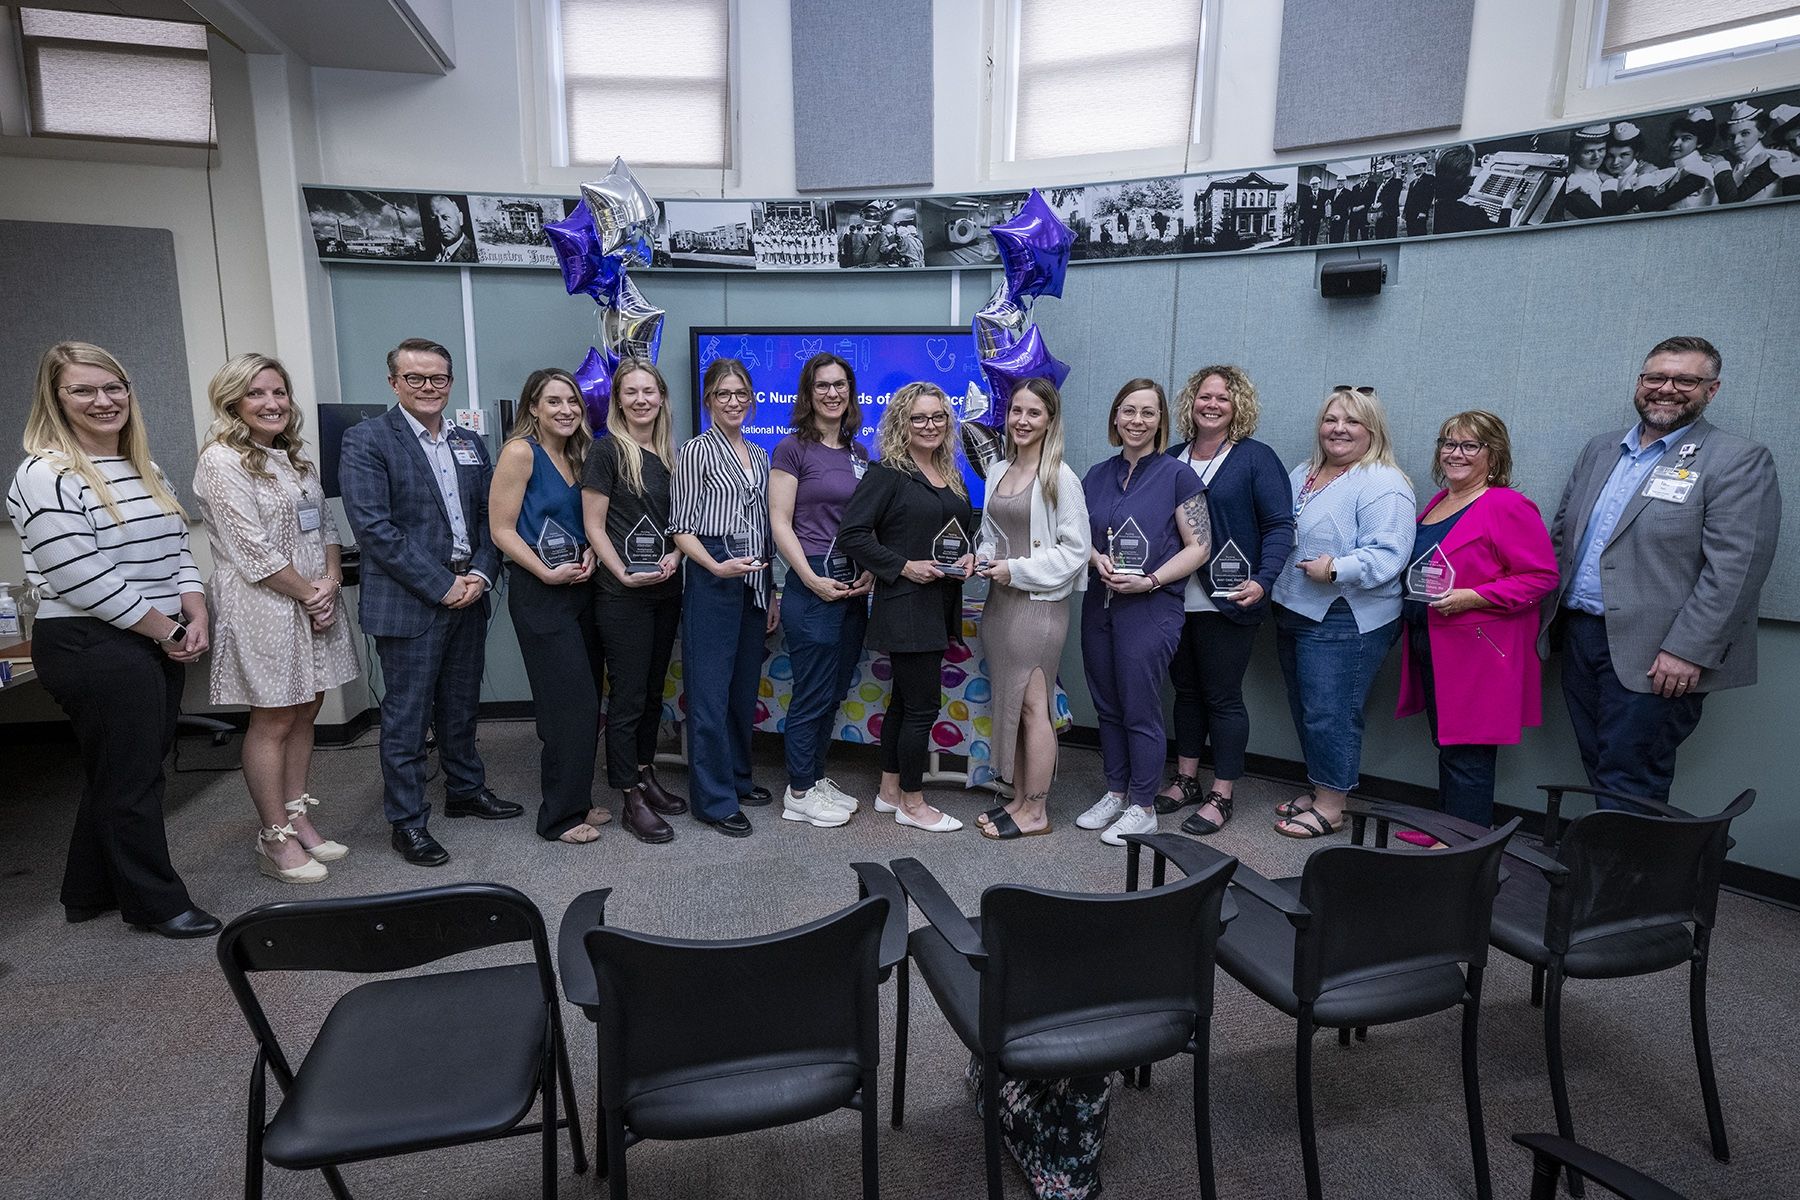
x=862 y=93
x=1353 y=69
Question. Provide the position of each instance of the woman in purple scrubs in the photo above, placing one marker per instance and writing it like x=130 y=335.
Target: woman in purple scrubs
x=1148 y=518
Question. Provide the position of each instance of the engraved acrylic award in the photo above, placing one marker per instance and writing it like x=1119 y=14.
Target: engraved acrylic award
x=1230 y=570
x=644 y=549
x=990 y=545
x=555 y=546
x=949 y=547
x=838 y=565
x=1431 y=577
x=1128 y=548
x=739 y=543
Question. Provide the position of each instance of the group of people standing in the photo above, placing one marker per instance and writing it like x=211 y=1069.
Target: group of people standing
x=1649 y=574
x=1754 y=156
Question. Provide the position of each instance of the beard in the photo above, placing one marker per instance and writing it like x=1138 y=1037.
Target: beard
x=1664 y=418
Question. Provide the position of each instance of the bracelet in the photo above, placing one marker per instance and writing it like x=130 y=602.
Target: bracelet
x=1154 y=581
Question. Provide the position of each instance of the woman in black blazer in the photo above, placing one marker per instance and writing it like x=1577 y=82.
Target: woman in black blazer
x=891 y=528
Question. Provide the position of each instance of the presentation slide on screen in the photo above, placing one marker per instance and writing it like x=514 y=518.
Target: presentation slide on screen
x=884 y=360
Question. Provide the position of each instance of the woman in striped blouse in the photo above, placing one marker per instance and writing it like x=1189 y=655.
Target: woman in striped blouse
x=719 y=516
x=122 y=614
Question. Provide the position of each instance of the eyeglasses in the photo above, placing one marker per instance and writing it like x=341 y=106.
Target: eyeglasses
x=1469 y=449
x=1683 y=383
x=85 y=392
x=419 y=383
x=836 y=385
x=1345 y=387
x=732 y=398
x=928 y=420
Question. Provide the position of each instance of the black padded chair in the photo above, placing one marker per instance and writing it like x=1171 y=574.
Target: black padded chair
x=410 y=1063
x=667 y=1069
x=1550 y=1154
x=1627 y=894
x=1368 y=936
x=1054 y=985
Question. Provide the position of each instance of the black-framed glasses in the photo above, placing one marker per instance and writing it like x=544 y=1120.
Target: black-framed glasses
x=731 y=397
x=1470 y=449
x=85 y=392
x=421 y=382
x=1364 y=390
x=928 y=420
x=1682 y=383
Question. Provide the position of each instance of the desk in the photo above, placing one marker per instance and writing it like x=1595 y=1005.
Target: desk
x=965 y=722
x=15 y=665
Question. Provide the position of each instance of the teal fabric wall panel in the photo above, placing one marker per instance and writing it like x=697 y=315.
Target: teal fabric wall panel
x=374 y=309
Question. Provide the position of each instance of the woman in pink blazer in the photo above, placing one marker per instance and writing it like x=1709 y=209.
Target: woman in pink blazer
x=1482 y=561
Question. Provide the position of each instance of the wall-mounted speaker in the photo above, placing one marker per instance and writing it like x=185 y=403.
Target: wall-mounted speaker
x=1340 y=279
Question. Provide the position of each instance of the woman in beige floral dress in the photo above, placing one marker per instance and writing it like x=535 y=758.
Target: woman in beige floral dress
x=280 y=640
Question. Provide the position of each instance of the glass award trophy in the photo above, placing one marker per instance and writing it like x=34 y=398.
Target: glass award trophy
x=949 y=547
x=1230 y=570
x=740 y=544
x=1431 y=577
x=1128 y=548
x=838 y=565
x=555 y=546
x=644 y=549
x=990 y=545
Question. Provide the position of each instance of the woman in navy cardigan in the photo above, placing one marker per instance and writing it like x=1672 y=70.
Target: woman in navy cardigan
x=1247 y=497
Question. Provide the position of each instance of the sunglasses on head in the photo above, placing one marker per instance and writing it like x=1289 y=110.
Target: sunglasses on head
x=1344 y=387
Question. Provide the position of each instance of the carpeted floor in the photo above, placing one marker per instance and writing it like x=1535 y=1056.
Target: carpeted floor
x=126 y=1061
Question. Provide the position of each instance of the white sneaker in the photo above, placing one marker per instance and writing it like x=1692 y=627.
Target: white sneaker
x=1135 y=819
x=813 y=808
x=836 y=794
x=1101 y=815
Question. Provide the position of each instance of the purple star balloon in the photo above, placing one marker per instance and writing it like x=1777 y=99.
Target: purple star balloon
x=585 y=270
x=1034 y=248
x=594 y=378
x=1029 y=358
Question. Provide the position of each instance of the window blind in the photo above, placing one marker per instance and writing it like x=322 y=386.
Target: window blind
x=1093 y=79
x=649 y=80
x=116 y=77
x=1633 y=24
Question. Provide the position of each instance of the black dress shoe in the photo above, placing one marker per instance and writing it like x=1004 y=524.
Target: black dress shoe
x=483 y=804
x=419 y=848
x=736 y=825
x=756 y=797
x=194 y=923
x=77 y=913
x=666 y=803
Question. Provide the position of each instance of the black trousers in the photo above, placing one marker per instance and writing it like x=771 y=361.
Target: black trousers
x=555 y=625
x=917 y=693
x=1627 y=739
x=637 y=639
x=122 y=694
x=1208 y=671
x=1465 y=772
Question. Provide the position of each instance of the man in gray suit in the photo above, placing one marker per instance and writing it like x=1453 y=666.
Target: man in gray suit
x=1663 y=539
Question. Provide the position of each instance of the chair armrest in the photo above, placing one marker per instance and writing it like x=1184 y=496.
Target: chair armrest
x=1609 y=1173
x=1554 y=871
x=1425 y=820
x=1555 y=792
x=922 y=887
x=574 y=967
x=1191 y=856
x=1265 y=890
x=873 y=879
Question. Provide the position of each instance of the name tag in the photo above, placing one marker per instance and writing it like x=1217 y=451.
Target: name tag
x=309 y=517
x=465 y=454
x=1671 y=483
x=859 y=466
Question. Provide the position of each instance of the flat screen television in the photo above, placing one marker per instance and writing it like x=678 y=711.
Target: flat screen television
x=885 y=360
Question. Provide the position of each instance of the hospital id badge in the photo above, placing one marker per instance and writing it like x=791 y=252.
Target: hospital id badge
x=1671 y=483
x=465 y=455
x=309 y=517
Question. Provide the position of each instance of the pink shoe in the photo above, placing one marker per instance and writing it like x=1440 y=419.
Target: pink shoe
x=1413 y=837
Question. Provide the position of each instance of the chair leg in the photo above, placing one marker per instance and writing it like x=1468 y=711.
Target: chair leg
x=253 y=1130
x=902 y=1008
x=1344 y=1036
x=615 y=1154
x=1537 y=987
x=1553 y=1052
x=335 y=1182
x=1303 y=1094
x=1709 y=1086
x=600 y=1155
x=1544 y=1170
x=566 y=1076
x=1143 y=1078
x=990 y=1094
x=1203 y=1150
x=871 y=1164
x=1471 y=1071
x=548 y=1102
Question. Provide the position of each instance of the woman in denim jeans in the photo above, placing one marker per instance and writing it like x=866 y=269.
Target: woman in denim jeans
x=823 y=605
x=1337 y=603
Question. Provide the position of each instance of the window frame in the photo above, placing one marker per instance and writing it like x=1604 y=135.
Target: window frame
x=1002 y=35
x=1586 y=88
x=18 y=108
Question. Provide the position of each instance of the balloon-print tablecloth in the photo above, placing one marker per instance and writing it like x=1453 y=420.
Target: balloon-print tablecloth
x=965 y=723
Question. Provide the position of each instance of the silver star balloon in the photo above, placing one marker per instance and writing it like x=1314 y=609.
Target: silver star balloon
x=630 y=326
x=624 y=214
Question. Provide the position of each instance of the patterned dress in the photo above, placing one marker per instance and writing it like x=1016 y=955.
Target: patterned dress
x=264 y=651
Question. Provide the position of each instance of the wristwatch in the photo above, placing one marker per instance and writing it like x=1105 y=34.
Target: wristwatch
x=178 y=636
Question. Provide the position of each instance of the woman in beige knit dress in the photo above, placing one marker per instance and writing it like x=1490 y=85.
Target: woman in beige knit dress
x=280 y=640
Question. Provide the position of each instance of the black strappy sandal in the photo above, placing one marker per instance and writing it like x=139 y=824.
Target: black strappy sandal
x=1198 y=825
x=1190 y=794
x=1317 y=827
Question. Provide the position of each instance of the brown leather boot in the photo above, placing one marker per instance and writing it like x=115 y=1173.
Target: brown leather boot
x=640 y=821
x=663 y=802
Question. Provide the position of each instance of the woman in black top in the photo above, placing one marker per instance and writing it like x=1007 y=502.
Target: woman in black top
x=891 y=528
x=637 y=598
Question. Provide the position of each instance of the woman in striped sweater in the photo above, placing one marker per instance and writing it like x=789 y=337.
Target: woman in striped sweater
x=122 y=614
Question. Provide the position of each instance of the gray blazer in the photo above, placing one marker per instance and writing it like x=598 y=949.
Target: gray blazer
x=1678 y=577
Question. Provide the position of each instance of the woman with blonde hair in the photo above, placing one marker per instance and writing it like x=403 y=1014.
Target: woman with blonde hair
x=122 y=613
x=279 y=638
x=1337 y=604
x=534 y=517
x=1252 y=519
x=1036 y=530
x=892 y=527
x=637 y=594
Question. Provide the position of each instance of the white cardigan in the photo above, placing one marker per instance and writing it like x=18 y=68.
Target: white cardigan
x=1060 y=541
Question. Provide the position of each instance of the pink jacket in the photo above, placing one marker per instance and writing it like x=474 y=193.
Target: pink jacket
x=1484 y=662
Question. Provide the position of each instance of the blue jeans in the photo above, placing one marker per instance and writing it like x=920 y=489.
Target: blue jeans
x=1329 y=666
x=824 y=644
x=721 y=655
